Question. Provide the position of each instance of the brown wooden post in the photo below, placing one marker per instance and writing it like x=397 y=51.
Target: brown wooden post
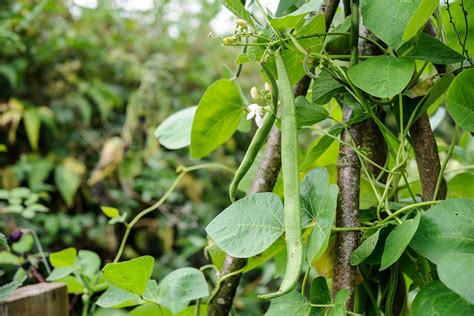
x=45 y=299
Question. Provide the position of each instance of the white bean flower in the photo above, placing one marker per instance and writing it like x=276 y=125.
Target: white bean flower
x=255 y=110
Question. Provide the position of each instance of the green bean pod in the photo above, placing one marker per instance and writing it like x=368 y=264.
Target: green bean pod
x=290 y=183
x=257 y=141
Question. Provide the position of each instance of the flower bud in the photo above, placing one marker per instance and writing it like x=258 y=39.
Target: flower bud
x=268 y=87
x=241 y=23
x=254 y=93
x=229 y=40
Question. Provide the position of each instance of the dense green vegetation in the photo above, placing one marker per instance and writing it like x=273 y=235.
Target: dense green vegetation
x=131 y=168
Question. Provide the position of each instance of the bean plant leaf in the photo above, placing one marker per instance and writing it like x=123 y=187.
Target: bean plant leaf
x=115 y=297
x=319 y=295
x=366 y=247
x=320 y=147
x=325 y=87
x=150 y=309
x=59 y=273
x=292 y=303
x=110 y=212
x=398 y=240
x=175 y=131
x=4 y=242
x=388 y=19
x=430 y=49
x=217 y=117
x=248 y=226
x=317 y=25
x=18 y=279
x=182 y=285
x=88 y=263
x=308 y=114
x=296 y=18
x=436 y=299
x=456 y=272
x=131 y=275
x=445 y=228
x=319 y=201
x=460 y=100
x=238 y=9
x=32 y=121
x=63 y=258
x=288 y=6
x=419 y=18
x=383 y=76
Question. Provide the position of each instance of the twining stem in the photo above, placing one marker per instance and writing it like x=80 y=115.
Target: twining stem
x=182 y=172
x=446 y=160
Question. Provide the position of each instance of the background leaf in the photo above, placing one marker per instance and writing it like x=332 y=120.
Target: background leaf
x=175 y=131
x=460 y=100
x=456 y=272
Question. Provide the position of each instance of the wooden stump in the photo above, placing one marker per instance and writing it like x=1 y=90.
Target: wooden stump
x=45 y=299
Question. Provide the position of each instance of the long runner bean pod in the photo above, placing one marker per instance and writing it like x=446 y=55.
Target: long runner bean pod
x=291 y=190
x=257 y=141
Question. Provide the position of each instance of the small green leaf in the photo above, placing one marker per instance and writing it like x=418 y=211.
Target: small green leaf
x=308 y=114
x=110 y=212
x=398 y=240
x=32 y=121
x=316 y=26
x=151 y=291
x=430 y=49
x=131 y=275
x=59 y=273
x=182 y=285
x=248 y=226
x=115 y=297
x=419 y=18
x=74 y=286
x=382 y=76
x=292 y=303
x=7 y=289
x=64 y=258
x=175 y=131
x=296 y=18
x=88 y=263
x=445 y=228
x=217 y=117
x=460 y=100
x=4 y=242
x=366 y=247
x=319 y=295
x=151 y=310
x=319 y=202
x=455 y=271
x=436 y=299
x=24 y=245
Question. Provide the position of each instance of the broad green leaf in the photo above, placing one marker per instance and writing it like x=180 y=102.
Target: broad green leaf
x=340 y=301
x=88 y=263
x=32 y=122
x=64 y=258
x=382 y=76
x=317 y=25
x=308 y=114
x=74 y=286
x=445 y=228
x=456 y=272
x=319 y=295
x=293 y=64
x=175 y=131
x=67 y=181
x=460 y=186
x=460 y=100
x=319 y=202
x=388 y=19
x=292 y=303
x=325 y=87
x=248 y=226
x=436 y=299
x=115 y=297
x=398 y=240
x=131 y=275
x=59 y=273
x=217 y=117
x=238 y=9
x=319 y=148
x=430 y=49
x=366 y=247
x=419 y=18
x=110 y=212
x=4 y=242
x=150 y=310
x=296 y=18
x=182 y=285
